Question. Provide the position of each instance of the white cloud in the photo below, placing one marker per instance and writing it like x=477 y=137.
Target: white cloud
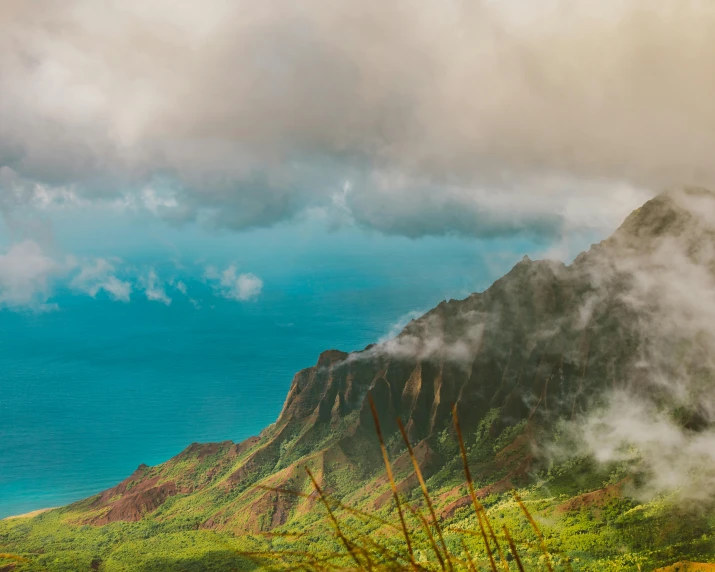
x=183 y=289
x=517 y=109
x=247 y=287
x=26 y=272
x=400 y=324
x=234 y=286
x=427 y=338
x=154 y=289
x=631 y=429
x=118 y=289
x=28 y=276
x=156 y=201
x=100 y=275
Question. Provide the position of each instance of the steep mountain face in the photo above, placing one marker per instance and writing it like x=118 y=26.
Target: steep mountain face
x=517 y=348
x=541 y=339
x=542 y=344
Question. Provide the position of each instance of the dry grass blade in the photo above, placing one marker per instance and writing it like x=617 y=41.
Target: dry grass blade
x=430 y=536
x=488 y=524
x=348 y=545
x=334 y=502
x=465 y=531
x=393 y=558
x=478 y=508
x=512 y=547
x=425 y=492
x=368 y=558
x=468 y=555
x=532 y=522
x=494 y=538
x=388 y=468
x=397 y=560
x=504 y=562
x=282 y=491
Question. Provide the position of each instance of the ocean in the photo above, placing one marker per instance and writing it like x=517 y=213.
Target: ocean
x=95 y=388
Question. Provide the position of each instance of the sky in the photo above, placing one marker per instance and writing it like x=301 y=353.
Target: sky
x=476 y=119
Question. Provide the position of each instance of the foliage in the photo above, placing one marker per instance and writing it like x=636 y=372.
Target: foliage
x=574 y=517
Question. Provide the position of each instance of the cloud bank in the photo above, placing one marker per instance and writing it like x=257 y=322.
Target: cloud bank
x=428 y=338
x=154 y=288
x=234 y=286
x=479 y=118
x=26 y=276
x=99 y=275
x=30 y=276
x=633 y=431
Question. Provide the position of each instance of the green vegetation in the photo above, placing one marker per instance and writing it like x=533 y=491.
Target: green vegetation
x=574 y=517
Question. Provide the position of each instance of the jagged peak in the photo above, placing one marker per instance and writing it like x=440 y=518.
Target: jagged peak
x=329 y=357
x=686 y=214
x=669 y=213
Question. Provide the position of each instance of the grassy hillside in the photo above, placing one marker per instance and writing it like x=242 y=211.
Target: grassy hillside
x=582 y=520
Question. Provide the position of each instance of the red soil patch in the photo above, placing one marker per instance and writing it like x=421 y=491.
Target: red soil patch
x=427 y=461
x=500 y=486
x=131 y=499
x=593 y=499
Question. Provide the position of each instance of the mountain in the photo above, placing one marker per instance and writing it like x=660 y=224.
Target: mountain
x=543 y=368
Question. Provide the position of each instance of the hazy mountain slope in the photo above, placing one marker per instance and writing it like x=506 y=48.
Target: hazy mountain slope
x=537 y=366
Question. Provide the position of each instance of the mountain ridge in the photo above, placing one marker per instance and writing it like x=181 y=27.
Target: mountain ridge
x=526 y=363
x=428 y=366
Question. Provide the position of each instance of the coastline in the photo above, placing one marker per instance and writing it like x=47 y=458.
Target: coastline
x=30 y=514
